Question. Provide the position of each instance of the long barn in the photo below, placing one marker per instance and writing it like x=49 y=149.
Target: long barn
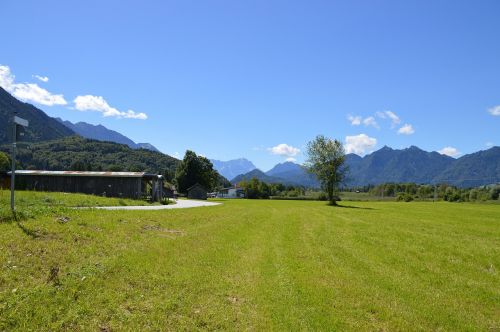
x=110 y=184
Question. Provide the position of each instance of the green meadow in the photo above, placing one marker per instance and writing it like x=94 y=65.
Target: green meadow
x=250 y=265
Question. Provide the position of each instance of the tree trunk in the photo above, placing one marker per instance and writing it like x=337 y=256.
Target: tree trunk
x=331 y=196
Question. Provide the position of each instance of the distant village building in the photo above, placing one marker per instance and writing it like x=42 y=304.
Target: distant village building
x=197 y=192
x=231 y=192
x=110 y=184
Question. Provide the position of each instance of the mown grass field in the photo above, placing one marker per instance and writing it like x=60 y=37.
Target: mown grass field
x=255 y=265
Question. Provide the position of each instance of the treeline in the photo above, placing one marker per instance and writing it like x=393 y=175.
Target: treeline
x=256 y=189
x=411 y=191
x=79 y=154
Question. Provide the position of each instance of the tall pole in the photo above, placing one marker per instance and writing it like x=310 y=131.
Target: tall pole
x=13 y=168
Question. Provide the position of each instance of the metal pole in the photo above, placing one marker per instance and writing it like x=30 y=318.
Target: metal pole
x=160 y=185
x=13 y=168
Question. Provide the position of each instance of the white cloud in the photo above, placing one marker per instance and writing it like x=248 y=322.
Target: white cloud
x=44 y=79
x=98 y=104
x=489 y=144
x=284 y=150
x=407 y=129
x=495 y=110
x=370 y=121
x=450 y=151
x=359 y=144
x=355 y=120
x=291 y=159
x=395 y=120
x=28 y=92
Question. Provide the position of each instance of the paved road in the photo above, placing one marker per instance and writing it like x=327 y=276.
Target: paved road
x=181 y=204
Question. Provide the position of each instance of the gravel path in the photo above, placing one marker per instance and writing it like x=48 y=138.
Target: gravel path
x=181 y=204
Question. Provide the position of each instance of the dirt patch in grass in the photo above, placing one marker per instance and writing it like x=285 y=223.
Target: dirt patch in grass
x=63 y=219
x=163 y=230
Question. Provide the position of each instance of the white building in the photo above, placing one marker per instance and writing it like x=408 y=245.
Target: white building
x=232 y=192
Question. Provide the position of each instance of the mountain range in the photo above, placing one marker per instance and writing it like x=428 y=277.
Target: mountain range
x=389 y=165
x=44 y=128
x=232 y=168
x=287 y=173
x=385 y=165
x=101 y=133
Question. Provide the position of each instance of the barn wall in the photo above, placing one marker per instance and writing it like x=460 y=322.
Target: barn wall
x=102 y=186
x=4 y=181
x=197 y=193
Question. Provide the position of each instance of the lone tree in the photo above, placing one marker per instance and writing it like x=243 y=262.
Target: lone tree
x=326 y=159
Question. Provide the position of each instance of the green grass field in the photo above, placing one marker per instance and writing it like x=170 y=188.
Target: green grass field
x=255 y=265
x=32 y=204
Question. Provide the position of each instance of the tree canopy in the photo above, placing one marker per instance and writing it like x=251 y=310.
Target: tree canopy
x=196 y=169
x=326 y=159
x=77 y=153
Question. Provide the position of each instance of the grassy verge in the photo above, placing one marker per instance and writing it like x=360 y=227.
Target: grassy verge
x=31 y=204
x=255 y=265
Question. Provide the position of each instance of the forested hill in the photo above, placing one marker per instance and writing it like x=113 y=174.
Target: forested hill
x=419 y=166
x=41 y=126
x=482 y=167
x=80 y=154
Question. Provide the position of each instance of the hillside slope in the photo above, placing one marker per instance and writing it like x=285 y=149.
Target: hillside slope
x=475 y=169
x=77 y=153
x=41 y=126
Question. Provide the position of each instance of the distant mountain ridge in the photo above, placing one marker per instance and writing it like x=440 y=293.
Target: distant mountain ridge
x=258 y=174
x=45 y=128
x=101 y=133
x=406 y=165
x=389 y=165
x=232 y=168
x=287 y=173
x=475 y=169
x=294 y=174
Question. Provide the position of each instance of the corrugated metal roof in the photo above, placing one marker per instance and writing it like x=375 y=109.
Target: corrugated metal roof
x=81 y=173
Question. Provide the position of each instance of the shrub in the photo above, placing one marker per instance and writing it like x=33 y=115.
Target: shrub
x=4 y=162
x=495 y=193
x=404 y=197
x=322 y=197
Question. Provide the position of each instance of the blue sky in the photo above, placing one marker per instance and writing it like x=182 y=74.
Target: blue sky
x=258 y=79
